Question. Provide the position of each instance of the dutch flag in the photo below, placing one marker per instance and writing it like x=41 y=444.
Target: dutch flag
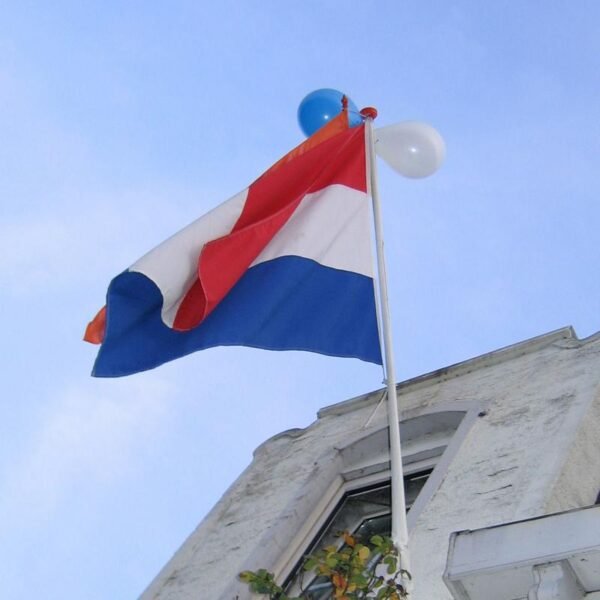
x=284 y=265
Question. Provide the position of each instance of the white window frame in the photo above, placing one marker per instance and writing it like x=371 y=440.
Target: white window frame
x=421 y=450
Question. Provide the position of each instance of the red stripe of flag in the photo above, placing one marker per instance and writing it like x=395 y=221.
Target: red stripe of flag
x=272 y=199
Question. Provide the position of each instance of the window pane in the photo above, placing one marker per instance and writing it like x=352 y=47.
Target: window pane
x=363 y=513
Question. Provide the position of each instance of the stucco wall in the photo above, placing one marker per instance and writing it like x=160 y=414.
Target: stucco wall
x=578 y=482
x=523 y=456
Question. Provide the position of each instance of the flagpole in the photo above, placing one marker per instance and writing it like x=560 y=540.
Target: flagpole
x=399 y=524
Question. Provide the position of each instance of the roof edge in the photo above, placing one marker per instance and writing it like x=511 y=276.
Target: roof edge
x=461 y=368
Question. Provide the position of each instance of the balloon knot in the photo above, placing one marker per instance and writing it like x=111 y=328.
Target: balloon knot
x=369 y=112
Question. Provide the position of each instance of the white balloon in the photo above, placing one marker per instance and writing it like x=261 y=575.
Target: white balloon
x=413 y=149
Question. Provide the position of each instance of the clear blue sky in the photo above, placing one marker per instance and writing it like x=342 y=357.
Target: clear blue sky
x=122 y=122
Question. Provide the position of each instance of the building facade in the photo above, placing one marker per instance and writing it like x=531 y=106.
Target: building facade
x=501 y=456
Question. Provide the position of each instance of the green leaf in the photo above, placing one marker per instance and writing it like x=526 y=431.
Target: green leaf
x=359 y=579
x=381 y=594
x=310 y=564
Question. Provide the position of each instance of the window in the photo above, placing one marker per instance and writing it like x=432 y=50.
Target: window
x=356 y=492
x=364 y=513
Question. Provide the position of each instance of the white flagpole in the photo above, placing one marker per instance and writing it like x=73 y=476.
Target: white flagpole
x=399 y=525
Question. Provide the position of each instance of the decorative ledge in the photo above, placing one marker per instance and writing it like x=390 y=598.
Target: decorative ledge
x=555 y=557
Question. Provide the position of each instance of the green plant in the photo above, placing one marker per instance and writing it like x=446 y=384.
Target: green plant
x=353 y=571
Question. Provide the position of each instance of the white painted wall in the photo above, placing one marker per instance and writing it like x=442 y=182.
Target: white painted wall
x=534 y=451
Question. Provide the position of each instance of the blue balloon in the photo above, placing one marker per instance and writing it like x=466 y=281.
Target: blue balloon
x=321 y=106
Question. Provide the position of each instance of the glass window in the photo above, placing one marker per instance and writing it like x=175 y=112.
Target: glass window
x=363 y=513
